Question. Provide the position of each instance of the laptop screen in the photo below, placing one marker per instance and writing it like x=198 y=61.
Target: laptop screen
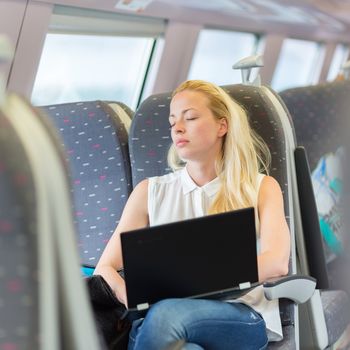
x=188 y=258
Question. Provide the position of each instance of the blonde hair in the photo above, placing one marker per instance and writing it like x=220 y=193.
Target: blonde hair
x=244 y=154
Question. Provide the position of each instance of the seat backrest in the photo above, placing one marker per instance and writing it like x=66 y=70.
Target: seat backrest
x=149 y=141
x=319 y=113
x=149 y=138
x=19 y=265
x=321 y=118
x=124 y=113
x=38 y=239
x=96 y=143
x=265 y=114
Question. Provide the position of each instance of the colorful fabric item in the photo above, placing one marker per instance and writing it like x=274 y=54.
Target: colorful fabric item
x=327 y=183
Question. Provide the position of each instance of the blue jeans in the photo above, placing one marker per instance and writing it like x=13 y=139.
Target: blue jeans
x=198 y=324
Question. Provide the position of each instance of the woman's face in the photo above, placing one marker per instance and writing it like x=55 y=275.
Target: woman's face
x=194 y=130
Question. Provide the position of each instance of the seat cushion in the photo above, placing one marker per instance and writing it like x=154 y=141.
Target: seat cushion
x=336 y=307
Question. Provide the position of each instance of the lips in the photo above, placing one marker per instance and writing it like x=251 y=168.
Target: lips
x=181 y=142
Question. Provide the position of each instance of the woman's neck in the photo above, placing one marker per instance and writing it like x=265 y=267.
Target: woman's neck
x=201 y=174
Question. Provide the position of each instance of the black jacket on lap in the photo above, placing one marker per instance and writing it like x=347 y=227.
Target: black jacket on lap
x=108 y=311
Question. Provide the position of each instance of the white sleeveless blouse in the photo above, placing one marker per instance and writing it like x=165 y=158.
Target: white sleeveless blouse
x=175 y=197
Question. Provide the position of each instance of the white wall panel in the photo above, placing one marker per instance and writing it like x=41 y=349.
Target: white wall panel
x=330 y=50
x=29 y=47
x=11 y=17
x=180 y=42
x=273 y=44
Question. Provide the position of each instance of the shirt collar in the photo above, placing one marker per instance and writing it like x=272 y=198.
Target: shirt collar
x=210 y=189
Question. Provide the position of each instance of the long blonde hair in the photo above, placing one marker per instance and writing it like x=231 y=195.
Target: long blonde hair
x=244 y=154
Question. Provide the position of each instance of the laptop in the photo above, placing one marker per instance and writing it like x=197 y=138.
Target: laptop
x=213 y=256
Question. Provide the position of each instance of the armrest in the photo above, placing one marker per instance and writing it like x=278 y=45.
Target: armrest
x=298 y=288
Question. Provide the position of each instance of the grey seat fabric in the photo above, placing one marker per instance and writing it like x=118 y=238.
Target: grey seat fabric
x=336 y=308
x=320 y=117
x=149 y=141
x=149 y=138
x=265 y=121
x=319 y=113
x=19 y=265
x=96 y=143
x=48 y=305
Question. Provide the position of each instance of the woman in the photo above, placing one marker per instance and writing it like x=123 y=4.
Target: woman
x=217 y=160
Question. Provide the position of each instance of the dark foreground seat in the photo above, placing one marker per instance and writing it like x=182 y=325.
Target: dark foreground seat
x=44 y=302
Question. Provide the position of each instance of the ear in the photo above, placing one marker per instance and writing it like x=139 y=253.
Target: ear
x=223 y=127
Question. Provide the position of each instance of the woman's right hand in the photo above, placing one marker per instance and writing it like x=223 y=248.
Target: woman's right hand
x=120 y=293
x=115 y=281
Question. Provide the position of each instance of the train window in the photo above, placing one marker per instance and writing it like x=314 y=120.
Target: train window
x=217 y=51
x=91 y=55
x=90 y=68
x=299 y=64
x=341 y=54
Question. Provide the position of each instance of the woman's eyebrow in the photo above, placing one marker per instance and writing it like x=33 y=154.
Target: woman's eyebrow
x=183 y=112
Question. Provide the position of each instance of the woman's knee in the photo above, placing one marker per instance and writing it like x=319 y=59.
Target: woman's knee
x=165 y=314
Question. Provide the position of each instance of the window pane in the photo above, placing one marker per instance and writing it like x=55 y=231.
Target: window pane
x=86 y=67
x=340 y=56
x=217 y=51
x=299 y=63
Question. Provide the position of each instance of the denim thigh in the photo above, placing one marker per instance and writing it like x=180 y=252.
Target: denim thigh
x=199 y=324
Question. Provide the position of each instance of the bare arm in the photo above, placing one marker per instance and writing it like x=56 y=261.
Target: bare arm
x=135 y=215
x=274 y=233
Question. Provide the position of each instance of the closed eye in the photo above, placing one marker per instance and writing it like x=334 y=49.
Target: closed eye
x=171 y=121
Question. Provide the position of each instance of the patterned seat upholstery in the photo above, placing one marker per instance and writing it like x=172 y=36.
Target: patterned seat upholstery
x=149 y=138
x=265 y=120
x=43 y=302
x=149 y=141
x=19 y=291
x=320 y=115
x=96 y=142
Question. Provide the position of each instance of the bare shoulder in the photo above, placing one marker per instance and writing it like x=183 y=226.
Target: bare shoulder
x=270 y=183
x=135 y=213
x=137 y=200
x=142 y=185
x=270 y=188
x=141 y=189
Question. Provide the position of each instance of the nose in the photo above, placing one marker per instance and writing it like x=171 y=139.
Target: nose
x=179 y=127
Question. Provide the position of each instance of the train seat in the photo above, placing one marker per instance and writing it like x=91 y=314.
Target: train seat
x=149 y=141
x=44 y=303
x=95 y=136
x=319 y=115
x=124 y=113
x=19 y=238
x=265 y=120
x=149 y=138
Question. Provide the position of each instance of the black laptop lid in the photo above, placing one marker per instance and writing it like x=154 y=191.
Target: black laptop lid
x=191 y=257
